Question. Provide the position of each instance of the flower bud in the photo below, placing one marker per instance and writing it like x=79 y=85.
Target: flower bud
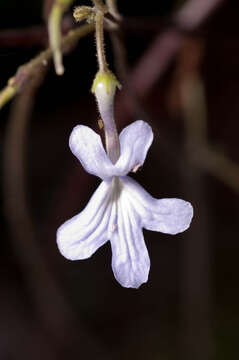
x=83 y=12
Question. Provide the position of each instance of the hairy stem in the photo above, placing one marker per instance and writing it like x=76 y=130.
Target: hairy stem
x=99 y=36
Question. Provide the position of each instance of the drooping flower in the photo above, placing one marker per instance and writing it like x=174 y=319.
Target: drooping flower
x=120 y=208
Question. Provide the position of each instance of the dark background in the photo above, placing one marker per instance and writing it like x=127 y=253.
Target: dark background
x=51 y=308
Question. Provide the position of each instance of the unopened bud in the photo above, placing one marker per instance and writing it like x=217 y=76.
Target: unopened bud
x=83 y=12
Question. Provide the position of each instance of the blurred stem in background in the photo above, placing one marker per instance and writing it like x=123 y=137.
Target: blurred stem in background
x=54 y=29
x=188 y=97
x=113 y=8
x=39 y=281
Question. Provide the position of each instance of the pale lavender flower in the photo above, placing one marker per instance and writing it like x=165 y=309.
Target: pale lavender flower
x=120 y=207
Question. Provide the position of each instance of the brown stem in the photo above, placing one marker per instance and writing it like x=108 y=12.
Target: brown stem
x=99 y=36
x=39 y=280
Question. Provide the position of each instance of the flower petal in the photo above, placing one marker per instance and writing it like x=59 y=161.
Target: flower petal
x=87 y=146
x=79 y=237
x=170 y=216
x=135 y=141
x=130 y=259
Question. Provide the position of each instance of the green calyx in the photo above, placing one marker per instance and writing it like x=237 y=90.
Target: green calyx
x=107 y=80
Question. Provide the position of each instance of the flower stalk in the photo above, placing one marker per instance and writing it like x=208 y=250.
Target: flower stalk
x=104 y=87
x=99 y=36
